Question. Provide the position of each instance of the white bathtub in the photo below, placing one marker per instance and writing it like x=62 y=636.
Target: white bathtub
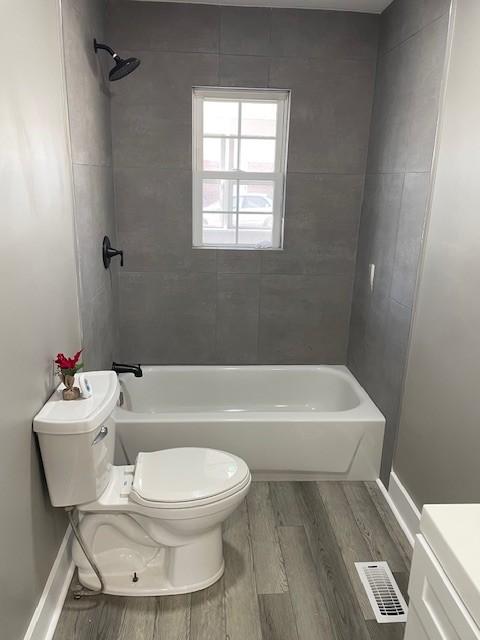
x=287 y=422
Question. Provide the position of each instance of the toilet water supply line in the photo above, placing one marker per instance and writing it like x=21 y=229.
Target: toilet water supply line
x=78 y=593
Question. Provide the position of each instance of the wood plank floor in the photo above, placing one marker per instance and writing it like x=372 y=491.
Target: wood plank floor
x=289 y=575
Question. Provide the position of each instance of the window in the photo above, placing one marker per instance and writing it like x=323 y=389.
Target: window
x=239 y=164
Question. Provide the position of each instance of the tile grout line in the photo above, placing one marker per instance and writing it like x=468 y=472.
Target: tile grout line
x=219 y=52
x=259 y=306
x=412 y=35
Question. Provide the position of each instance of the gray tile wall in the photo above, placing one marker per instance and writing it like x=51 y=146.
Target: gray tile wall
x=88 y=100
x=412 y=44
x=179 y=305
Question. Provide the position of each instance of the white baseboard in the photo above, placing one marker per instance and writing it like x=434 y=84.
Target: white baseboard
x=45 y=617
x=402 y=506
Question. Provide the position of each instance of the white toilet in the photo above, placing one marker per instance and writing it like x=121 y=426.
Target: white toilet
x=153 y=528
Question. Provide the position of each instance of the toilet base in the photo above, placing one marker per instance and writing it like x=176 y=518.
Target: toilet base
x=133 y=563
x=150 y=583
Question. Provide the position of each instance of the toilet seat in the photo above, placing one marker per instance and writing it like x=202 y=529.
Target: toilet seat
x=187 y=477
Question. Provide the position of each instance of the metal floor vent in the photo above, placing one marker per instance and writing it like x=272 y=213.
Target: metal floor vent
x=383 y=593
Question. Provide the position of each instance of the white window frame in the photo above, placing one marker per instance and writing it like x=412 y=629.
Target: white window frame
x=278 y=176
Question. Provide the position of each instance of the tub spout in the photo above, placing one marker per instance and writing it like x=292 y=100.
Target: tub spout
x=136 y=369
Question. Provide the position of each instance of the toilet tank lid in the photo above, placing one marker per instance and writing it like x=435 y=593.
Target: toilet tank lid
x=62 y=417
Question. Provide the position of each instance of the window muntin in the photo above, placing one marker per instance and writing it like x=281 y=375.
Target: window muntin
x=239 y=166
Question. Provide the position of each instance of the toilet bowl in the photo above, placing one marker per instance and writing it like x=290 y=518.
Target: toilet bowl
x=157 y=528
x=152 y=528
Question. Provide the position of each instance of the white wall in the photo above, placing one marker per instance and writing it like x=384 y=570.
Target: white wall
x=38 y=291
x=438 y=455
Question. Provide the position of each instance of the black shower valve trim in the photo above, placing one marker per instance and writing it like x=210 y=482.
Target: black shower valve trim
x=108 y=252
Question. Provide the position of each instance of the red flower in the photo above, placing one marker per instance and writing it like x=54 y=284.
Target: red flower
x=68 y=363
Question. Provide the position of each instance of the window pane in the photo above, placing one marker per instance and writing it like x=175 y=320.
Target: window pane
x=257 y=155
x=255 y=221
x=219 y=195
x=256 y=196
x=253 y=232
x=220 y=154
x=259 y=119
x=219 y=228
x=220 y=118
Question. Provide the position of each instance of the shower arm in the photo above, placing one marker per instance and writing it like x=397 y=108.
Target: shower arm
x=104 y=47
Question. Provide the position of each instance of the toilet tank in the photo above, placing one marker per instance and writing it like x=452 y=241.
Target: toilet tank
x=77 y=441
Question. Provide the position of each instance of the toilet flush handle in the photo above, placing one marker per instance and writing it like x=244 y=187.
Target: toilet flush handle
x=100 y=435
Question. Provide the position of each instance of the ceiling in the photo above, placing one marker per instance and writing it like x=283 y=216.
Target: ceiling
x=365 y=6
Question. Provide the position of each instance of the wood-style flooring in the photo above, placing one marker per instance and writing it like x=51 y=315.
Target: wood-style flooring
x=289 y=574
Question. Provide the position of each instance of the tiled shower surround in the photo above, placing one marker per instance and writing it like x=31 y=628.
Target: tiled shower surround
x=363 y=86
x=184 y=305
x=411 y=57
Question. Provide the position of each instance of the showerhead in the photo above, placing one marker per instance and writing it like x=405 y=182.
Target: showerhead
x=122 y=66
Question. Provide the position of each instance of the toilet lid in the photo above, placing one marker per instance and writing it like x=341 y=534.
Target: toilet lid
x=186 y=474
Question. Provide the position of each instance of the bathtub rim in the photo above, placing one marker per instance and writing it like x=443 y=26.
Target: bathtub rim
x=366 y=410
